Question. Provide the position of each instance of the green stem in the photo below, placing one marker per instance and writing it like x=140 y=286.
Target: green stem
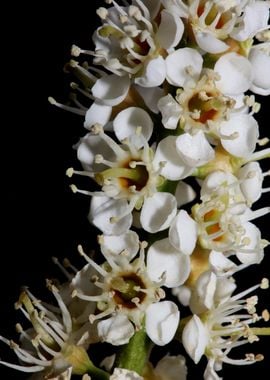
x=134 y=355
x=97 y=373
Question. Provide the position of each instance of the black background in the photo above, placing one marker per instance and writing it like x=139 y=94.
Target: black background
x=40 y=216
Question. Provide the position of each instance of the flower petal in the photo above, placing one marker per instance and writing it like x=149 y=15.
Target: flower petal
x=163 y=260
x=194 y=150
x=103 y=209
x=252 y=252
x=115 y=245
x=174 y=168
x=181 y=63
x=171 y=368
x=161 y=321
x=184 y=194
x=127 y=122
x=170 y=111
x=170 y=31
x=154 y=73
x=158 y=212
x=251 y=179
x=124 y=374
x=183 y=233
x=116 y=330
x=195 y=338
x=209 y=43
x=259 y=58
x=111 y=89
x=97 y=114
x=151 y=96
x=243 y=132
x=235 y=74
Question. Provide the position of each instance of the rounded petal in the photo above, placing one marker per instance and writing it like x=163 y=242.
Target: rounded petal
x=181 y=63
x=170 y=31
x=111 y=89
x=97 y=114
x=163 y=260
x=259 y=58
x=235 y=74
x=106 y=214
x=183 y=233
x=116 y=330
x=158 y=212
x=129 y=120
x=151 y=96
x=184 y=194
x=161 y=321
x=251 y=179
x=209 y=43
x=219 y=263
x=254 y=19
x=202 y=297
x=194 y=150
x=239 y=135
x=174 y=168
x=154 y=73
x=89 y=146
x=252 y=251
x=171 y=368
x=127 y=243
x=215 y=179
x=195 y=338
x=170 y=111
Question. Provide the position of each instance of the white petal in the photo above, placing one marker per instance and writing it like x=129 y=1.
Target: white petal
x=254 y=19
x=124 y=374
x=195 y=338
x=180 y=8
x=209 y=43
x=235 y=72
x=153 y=6
x=88 y=147
x=161 y=321
x=111 y=89
x=246 y=131
x=170 y=111
x=170 y=30
x=254 y=253
x=183 y=294
x=115 y=245
x=202 y=297
x=97 y=114
x=174 y=168
x=116 y=330
x=224 y=289
x=171 y=368
x=164 y=260
x=158 y=212
x=251 y=178
x=259 y=58
x=66 y=375
x=154 y=73
x=183 y=233
x=220 y=263
x=127 y=121
x=103 y=209
x=216 y=179
x=194 y=150
x=184 y=194
x=151 y=96
x=179 y=61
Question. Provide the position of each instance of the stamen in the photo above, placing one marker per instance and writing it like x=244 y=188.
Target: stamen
x=66 y=108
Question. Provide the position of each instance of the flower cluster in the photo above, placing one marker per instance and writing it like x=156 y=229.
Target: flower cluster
x=172 y=153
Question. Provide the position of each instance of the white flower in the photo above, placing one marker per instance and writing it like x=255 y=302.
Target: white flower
x=124 y=374
x=221 y=328
x=128 y=295
x=126 y=172
x=130 y=42
x=52 y=333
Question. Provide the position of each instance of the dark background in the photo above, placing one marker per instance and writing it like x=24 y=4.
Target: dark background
x=39 y=214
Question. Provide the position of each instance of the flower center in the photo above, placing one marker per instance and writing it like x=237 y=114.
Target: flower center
x=126 y=288
x=128 y=175
x=206 y=104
